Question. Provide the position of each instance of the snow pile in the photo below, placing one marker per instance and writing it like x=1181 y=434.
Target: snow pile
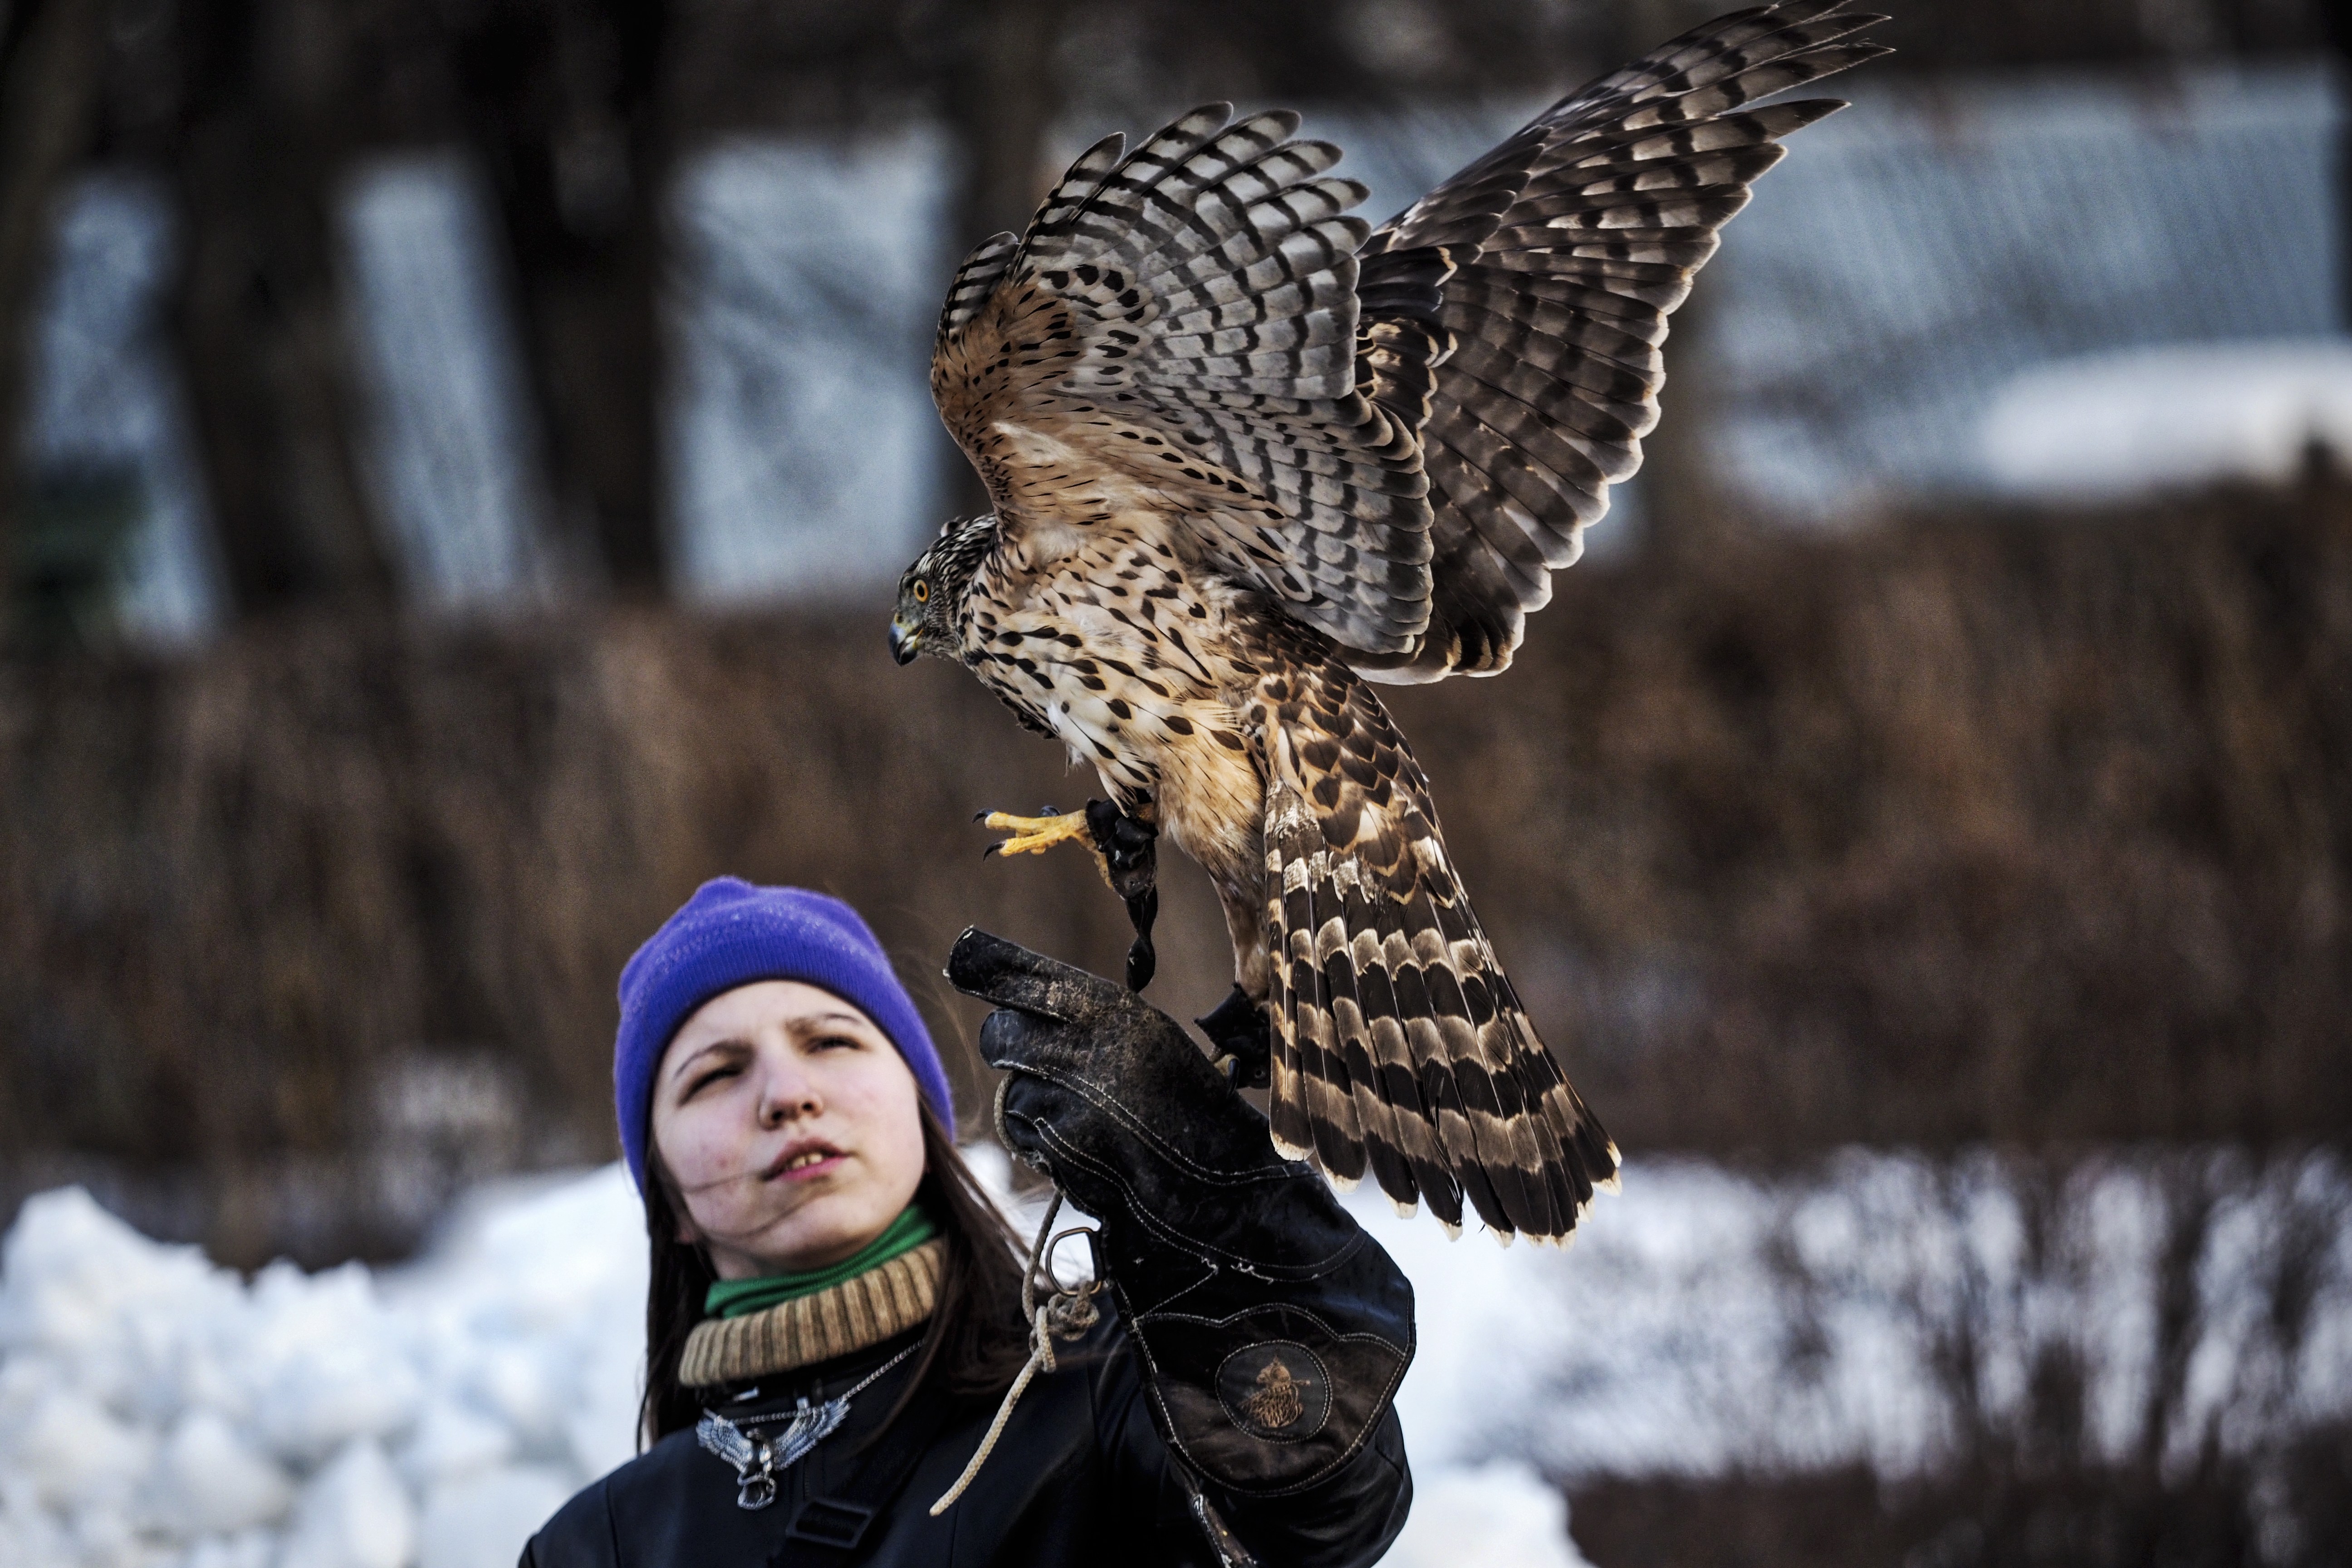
x=156 y=1412
x=2115 y=425
x=1500 y=1514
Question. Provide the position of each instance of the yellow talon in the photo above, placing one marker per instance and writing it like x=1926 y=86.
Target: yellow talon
x=1035 y=835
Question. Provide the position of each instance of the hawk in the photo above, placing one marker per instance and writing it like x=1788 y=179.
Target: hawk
x=1248 y=455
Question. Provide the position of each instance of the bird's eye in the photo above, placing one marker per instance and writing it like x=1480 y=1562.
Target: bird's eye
x=922 y=591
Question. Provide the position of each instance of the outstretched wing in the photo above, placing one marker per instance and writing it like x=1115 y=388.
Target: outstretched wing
x=1176 y=335
x=1555 y=259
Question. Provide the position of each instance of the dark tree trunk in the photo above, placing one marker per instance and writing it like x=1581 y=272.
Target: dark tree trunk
x=1001 y=94
x=260 y=321
x=562 y=99
x=51 y=55
x=2338 y=23
x=1683 y=508
x=1679 y=508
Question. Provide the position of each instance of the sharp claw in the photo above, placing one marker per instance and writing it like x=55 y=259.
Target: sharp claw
x=1241 y=1033
x=1142 y=959
x=981 y=815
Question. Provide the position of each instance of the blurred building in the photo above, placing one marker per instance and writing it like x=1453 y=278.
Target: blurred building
x=1916 y=254
x=1849 y=349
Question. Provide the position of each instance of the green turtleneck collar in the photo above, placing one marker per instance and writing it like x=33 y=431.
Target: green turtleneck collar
x=739 y=1298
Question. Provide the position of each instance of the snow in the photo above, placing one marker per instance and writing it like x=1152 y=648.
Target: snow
x=213 y=1479
x=2116 y=424
x=155 y=1410
x=1708 y=1321
x=355 y=1513
x=158 y=1411
x=476 y=1522
x=1498 y=1512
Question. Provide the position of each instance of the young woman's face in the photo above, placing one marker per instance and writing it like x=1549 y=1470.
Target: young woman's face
x=791 y=1125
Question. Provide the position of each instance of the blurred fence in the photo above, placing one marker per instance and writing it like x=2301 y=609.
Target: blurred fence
x=2016 y=828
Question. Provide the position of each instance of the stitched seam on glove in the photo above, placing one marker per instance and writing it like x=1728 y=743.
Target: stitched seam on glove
x=1353 y=1336
x=1145 y=1133
x=1059 y=1147
x=1168 y=1424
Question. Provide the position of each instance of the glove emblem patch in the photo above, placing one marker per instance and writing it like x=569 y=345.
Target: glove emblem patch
x=1277 y=1402
x=1277 y=1390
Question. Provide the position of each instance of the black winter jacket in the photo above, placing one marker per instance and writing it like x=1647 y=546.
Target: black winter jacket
x=1248 y=1319
x=1080 y=1477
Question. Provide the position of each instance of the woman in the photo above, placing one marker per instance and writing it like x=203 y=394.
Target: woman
x=841 y=1363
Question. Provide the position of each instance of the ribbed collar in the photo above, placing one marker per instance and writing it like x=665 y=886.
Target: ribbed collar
x=858 y=1312
x=741 y=1297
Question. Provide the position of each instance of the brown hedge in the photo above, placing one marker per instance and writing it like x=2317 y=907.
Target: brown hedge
x=1972 y=826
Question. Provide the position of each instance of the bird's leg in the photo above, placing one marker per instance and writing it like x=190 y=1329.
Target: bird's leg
x=1125 y=850
x=1128 y=849
x=1243 y=1037
x=1033 y=834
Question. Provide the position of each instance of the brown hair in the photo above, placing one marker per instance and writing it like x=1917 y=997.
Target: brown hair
x=976 y=1343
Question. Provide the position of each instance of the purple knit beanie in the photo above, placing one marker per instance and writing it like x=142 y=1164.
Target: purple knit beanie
x=731 y=933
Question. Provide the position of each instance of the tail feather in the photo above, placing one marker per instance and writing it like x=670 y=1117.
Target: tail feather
x=1400 y=1047
x=1414 y=1078
x=1385 y=1089
x=1380 y=1060
x=1294 y=1133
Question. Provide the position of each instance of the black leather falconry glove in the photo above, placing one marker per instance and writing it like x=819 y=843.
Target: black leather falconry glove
x=1273 y=1331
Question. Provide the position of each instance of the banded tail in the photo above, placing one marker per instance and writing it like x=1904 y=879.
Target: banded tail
x=1400 y=1049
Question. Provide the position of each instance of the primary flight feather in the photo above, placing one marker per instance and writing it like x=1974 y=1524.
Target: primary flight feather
x=1246 y=455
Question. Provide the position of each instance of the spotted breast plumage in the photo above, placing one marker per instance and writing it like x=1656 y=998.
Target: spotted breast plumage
x=1248 y=456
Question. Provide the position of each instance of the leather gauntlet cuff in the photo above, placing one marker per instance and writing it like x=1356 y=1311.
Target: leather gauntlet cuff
x=1268 y=1389
x=1273 y=1331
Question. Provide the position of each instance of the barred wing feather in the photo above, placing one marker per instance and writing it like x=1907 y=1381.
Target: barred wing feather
x=1178 y=330
x=1563 y=251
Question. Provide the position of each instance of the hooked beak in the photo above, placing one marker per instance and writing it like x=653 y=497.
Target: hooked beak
x=905 y=641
